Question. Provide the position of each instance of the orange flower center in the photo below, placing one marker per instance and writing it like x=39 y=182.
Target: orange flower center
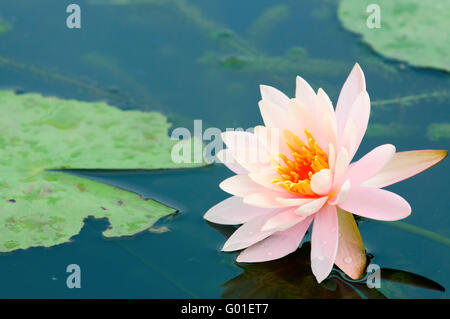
x=296 y=174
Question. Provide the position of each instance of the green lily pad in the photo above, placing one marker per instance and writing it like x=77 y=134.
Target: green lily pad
x=410 y=30
x=44 y=208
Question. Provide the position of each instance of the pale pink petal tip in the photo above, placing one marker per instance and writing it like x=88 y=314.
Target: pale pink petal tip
x=274 y=95
x=232 y=211
x=226 y=157
x=404 y=165
x=240 y=185
x=351 y=255
x=370 y=164
x=305 y=94
x=353 y=86
x=376 y=203
x=282 y=220
x=276 y=246
x=324 y=242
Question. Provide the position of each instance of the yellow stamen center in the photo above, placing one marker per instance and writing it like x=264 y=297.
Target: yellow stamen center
x=296 y=174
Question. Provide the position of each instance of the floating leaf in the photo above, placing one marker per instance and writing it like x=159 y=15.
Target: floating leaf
x=409 y=30
x=44 y=208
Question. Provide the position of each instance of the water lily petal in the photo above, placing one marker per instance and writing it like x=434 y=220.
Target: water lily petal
x=297 y=201
x=277 y=245
x=265 y=180
x=326 y=119
x=253 y=159
x=341 y=166
x=324 y=242
x=359 y=118
x=321 y=182
x=240 y=185
x=274 y=95
x=331 y=156
x=348 y=140
x=341 y=194
x=352 y=87
x=329 y=133
x=273 y=116
x=311 y=207
x=272 y=139
x=247 y=150
x=324 y=103
x=233 y=211
x=226 y=157
x=248 y=234
x=267 y=199
x=375 y=203
x=351 y=255
x=404 y=165
x=305 y=94
x=283 y=220
x=237 y=140
x=300 y=117
x=370 y=164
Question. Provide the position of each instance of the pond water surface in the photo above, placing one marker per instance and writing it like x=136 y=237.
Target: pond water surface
x=167 y=57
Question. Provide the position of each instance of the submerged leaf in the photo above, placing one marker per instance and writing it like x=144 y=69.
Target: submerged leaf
x=268 y=21
x=437 y=131
x=409 y=29
x=291 y=277
x=44 y=208
x=4 y=26
x=393 y=129
x=411 y=279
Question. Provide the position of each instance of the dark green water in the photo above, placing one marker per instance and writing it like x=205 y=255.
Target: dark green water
x=163 y=57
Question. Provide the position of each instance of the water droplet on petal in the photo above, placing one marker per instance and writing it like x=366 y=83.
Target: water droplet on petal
x=269 y=253
x=321 y=258
x=348 y=260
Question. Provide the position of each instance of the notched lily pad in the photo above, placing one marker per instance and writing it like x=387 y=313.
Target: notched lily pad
x=410 y=30
x=45 y=208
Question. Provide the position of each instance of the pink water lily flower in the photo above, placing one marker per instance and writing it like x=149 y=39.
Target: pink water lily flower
x=297 y=169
